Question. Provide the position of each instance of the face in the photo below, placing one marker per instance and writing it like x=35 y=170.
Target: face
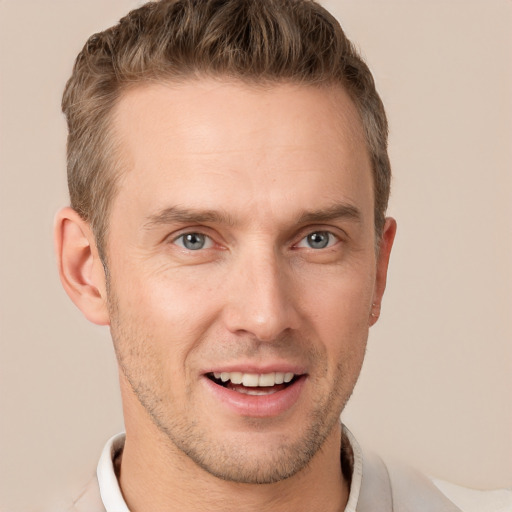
x=242 y=266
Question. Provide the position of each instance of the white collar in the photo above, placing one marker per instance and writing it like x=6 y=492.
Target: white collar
x=110 y=491
x=113 y=498
x=357 y=472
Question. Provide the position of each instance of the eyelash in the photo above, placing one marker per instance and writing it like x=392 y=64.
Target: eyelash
x=208 y=241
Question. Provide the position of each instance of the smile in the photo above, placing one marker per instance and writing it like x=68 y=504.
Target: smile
x=253 y=383
x=256 y=394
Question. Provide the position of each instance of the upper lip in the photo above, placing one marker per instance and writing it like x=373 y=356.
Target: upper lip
x=257 y=368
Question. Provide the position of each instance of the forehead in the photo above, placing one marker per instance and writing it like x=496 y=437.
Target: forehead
x=205 y=141
x=240 y=110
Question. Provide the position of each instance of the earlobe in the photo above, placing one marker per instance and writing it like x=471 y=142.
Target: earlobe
x=80 y=269
x=386 y=243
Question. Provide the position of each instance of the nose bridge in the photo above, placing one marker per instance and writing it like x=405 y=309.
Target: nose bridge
x=260 y=294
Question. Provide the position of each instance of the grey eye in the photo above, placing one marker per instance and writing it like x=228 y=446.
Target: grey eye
x=193 y=241
x=319 y=239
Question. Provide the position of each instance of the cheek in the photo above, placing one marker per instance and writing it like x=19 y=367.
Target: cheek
x=340 y=299
x=172 y=311
x=339 y=315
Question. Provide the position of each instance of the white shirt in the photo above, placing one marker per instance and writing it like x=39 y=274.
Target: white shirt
x=468 y=500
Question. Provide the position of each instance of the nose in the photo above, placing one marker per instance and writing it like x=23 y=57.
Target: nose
x=260 y=298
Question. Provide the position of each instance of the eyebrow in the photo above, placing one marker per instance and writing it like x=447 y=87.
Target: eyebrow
x=335 y=212
x=177 y=214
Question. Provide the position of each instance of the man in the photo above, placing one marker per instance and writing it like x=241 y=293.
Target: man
x=229 y=177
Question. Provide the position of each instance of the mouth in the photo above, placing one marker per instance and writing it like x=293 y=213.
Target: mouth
x=254 y=384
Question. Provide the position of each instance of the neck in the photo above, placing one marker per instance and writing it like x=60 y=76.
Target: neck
x=155 y=475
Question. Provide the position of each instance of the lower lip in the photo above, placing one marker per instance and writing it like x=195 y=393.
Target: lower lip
x=258 y=406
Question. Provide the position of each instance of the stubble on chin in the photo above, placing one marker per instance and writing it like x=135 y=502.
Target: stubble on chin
x=238 y=458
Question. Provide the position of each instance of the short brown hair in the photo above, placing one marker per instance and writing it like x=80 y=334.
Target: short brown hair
x=273 y=41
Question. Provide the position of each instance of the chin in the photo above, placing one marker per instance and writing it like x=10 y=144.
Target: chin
x=253 y=457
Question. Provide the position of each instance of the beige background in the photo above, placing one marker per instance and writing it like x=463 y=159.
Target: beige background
x=436 y=388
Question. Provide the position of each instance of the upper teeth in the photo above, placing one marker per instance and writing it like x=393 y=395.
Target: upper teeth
x=254 y=379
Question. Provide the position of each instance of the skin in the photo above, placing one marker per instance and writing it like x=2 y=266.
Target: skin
x=254 y=171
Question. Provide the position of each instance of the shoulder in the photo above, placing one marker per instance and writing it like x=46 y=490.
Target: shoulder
x=474 y=500
x=397 y=488
x=390 y=487
x=89 y=500
x=403 y=489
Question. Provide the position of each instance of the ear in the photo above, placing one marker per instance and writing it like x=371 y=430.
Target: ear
x=385 y=245
x=80 y=268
